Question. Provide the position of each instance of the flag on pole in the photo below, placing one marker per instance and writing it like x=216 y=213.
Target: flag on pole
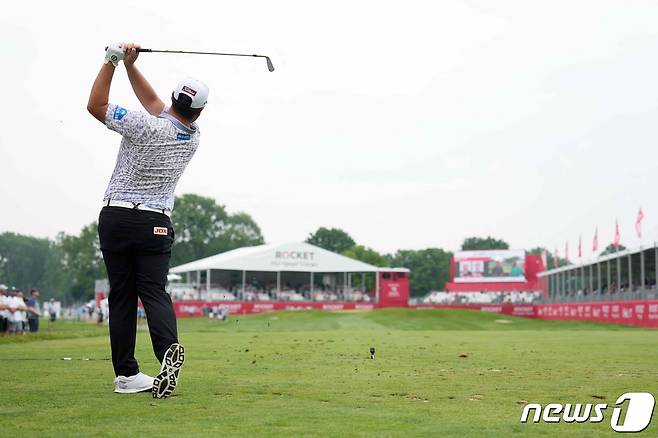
x=617 y=235
x=580 y=246
x=566 y=250
x=638 y=223
x=556 y=260
x=544 y=259
x=595 y=243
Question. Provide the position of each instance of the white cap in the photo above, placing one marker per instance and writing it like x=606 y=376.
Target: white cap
x=197 y=90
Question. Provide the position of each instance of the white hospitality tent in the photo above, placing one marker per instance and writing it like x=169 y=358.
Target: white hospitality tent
x=300 y=258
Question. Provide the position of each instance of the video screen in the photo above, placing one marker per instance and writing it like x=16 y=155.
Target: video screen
x=489 y=266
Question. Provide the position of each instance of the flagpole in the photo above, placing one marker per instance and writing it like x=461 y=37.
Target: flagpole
x=638 y=228
x=617 y=239
x=595 y=250
x=618 y=271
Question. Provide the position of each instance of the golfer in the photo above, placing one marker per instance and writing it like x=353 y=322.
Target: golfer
x=134 y=225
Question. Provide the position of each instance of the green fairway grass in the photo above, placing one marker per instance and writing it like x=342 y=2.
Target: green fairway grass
x=436 y=373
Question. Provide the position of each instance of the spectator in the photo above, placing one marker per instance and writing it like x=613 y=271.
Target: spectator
x=52 y=310
x=33 y=311
x=17 y=309
x=4 y=310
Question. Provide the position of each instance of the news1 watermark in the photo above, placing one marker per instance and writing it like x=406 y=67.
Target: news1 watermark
x=638 y=412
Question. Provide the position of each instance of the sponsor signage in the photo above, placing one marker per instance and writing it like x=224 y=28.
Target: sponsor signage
x=292 y=260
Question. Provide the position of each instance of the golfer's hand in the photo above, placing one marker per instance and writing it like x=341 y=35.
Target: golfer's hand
x=131 y=54
x=114 y=53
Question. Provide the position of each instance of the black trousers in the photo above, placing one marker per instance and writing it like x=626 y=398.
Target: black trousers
x=33 y=322
x=136 y=246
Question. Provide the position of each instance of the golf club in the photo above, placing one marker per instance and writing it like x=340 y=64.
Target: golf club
x=270 y=66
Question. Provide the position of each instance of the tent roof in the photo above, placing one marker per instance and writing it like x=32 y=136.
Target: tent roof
x=291 y=257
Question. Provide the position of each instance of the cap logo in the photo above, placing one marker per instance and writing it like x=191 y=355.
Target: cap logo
x=188 y=90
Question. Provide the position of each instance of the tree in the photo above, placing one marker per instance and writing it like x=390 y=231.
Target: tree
x=480 y=243
x=365 y=255
x=203 y=228
x=333 y=239
x=430 y=268
x=23 y=260
x=610 y=249
x=82 y=261
x=549 y=257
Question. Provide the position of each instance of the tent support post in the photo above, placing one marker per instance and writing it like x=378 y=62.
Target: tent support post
x=311 y=286
x=629 y=277
x=244 y=283
x=207 y=280
x=377 y=287
x=278 y=282
x=363 y=281
x=618 y=273
x=591 y=278
x=642 y=273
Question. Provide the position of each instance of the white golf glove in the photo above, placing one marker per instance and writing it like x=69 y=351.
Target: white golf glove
x=114 y=53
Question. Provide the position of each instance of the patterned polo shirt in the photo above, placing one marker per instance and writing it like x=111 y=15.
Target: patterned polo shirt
x=153 y=154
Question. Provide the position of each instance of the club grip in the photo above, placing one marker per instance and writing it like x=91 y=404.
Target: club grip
x=138 y=50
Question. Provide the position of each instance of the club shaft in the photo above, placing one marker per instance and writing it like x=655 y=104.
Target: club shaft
x=198 y=53
x=270 y=66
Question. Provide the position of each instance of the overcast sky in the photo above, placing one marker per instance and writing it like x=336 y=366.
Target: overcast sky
x=407 y=124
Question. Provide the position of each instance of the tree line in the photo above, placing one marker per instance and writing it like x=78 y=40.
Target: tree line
x=67 y=266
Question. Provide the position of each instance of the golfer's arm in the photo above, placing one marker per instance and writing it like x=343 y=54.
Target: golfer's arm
x=144 y=92
x=100 y=93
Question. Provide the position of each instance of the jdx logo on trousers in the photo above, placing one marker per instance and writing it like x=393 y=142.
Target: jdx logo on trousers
x=160 y=231
x=638 y=412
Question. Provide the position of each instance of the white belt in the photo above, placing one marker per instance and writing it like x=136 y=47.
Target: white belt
x=135 y=206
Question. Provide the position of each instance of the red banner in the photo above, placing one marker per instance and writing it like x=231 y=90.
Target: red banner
x=196 y=308
x=637 y=313
x=527 y=310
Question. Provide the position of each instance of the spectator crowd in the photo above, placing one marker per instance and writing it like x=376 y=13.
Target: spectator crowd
x=19 y=314
x=457 y=298
x=256 y=292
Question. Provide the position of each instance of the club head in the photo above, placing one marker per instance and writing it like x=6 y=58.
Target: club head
x=270 y=66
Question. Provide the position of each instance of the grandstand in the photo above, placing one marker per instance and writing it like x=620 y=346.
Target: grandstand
x=287 y=276
x=625 y=275
x=617 y=288
x=488 y=297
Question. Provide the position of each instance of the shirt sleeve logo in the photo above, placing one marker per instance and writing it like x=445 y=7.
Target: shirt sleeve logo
x=160 y=231
x=181 y=136
x=119 y=113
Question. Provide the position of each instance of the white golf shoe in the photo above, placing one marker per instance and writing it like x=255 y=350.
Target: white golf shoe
x=165 y=382
x=129 y=385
